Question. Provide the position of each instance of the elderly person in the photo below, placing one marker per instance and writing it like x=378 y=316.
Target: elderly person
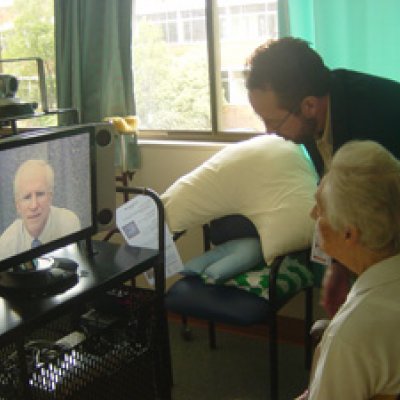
x=39 y=221
x=358 y=217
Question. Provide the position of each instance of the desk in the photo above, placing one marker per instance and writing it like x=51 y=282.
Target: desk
x=108 y=267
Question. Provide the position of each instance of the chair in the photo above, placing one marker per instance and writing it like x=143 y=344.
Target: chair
x=192 y=297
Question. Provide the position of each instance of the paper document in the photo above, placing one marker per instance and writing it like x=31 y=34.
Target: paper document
x=137 y=220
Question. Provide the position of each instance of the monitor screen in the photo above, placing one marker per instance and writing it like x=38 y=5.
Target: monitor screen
x=47 y=187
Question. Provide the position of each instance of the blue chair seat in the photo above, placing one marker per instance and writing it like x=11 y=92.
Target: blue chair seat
x=191 y=296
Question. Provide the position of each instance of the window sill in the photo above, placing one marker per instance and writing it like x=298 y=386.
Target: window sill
x=194 y=136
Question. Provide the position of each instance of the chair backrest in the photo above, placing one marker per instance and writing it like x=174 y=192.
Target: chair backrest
x=231 y=227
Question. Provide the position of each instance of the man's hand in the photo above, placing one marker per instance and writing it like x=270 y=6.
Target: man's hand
x=335 y=287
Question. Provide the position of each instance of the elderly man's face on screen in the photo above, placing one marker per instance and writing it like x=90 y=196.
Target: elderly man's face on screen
x=33 y=199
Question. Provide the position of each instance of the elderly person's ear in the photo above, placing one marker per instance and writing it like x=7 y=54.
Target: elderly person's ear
x=352 y=235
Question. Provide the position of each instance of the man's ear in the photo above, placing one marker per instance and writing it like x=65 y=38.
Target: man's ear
x=309 y=106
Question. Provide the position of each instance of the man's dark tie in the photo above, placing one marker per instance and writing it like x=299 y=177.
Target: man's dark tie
x=35 y=243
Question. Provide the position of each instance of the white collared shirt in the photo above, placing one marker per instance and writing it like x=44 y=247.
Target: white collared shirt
x=360 y=350
x=16 y=238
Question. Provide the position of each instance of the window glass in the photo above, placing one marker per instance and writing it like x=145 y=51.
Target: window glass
x=27 y=30
x=170 y=59
x=243 y=26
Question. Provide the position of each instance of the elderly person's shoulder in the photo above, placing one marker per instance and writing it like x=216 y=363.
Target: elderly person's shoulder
x=374 y=297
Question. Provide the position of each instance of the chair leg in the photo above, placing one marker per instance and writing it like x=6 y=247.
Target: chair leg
x=212 y=341
x=308 y=323
x=167 y=358
x=273 y=357
x=186 y=332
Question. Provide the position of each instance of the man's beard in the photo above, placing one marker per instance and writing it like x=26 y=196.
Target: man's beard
x=308 y=130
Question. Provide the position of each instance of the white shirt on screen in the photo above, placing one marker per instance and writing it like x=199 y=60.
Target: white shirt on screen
x=16 y=239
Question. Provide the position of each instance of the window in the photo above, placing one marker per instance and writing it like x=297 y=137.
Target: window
x=175 y=88
x=166 y=22
x=27 y=31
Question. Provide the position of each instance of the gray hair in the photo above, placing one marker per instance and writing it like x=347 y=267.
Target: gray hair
x=362 y=189
x=29 y=165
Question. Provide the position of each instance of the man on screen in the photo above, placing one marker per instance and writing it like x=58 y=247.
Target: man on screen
x=39 y=221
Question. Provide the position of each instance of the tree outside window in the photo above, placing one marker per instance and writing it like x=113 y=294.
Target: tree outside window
x=27 y=30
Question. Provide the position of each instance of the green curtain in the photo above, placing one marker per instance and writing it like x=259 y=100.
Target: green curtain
x=93 y=57
x=362 y=35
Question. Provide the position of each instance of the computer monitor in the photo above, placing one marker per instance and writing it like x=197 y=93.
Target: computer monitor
x=47 y=192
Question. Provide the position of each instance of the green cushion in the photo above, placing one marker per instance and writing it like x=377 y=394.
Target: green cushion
x=293 y=276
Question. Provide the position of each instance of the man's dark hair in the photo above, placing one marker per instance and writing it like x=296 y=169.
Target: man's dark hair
x=290 y=68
